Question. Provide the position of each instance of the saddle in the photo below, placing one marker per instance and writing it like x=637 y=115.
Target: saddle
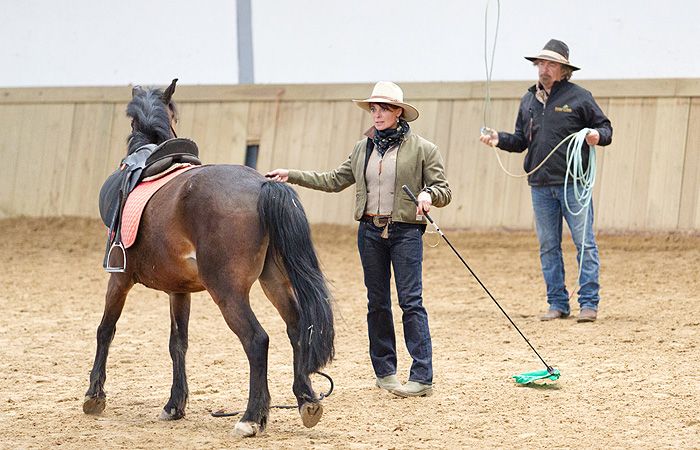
x=146 y=161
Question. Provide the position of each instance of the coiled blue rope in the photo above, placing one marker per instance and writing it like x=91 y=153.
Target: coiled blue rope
x=582 y=182
x=582 y=179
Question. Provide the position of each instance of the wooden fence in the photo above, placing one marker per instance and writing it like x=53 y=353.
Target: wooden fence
x=59 y=144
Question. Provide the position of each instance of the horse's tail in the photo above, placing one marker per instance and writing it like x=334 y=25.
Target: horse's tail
x=285 y=221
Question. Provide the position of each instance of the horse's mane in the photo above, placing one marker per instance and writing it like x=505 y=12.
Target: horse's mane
x=150 y=122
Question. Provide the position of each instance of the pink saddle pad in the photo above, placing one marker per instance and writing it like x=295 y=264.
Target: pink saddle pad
x=137 y=200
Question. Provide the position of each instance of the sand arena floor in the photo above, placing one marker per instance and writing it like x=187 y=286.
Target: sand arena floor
x=629 y=380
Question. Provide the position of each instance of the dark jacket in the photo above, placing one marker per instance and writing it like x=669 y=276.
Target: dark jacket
x=539 y=128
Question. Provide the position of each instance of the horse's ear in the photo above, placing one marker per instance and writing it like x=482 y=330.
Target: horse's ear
x=135 y=90
x=168 y=94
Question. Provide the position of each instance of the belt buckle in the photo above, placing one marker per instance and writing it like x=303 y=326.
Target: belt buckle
x=377 y=221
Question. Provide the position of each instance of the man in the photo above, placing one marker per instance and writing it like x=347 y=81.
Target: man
x=550 y=111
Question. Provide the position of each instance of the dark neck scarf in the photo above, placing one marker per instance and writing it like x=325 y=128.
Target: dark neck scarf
x=385 y=139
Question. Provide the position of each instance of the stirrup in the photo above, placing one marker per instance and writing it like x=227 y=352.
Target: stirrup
x=118 y=268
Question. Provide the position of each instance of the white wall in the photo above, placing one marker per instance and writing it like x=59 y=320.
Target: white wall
x=117 y=42
x=98 y=42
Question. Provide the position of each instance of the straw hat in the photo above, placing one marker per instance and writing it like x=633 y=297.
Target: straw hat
x=556 y=51
x=390 y=93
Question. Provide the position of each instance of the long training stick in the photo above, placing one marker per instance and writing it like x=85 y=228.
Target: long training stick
x=427 y=216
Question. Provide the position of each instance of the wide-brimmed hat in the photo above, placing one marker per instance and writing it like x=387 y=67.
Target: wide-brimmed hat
x=556 y=51
x=390 y=93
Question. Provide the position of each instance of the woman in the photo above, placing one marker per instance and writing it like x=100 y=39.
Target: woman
x=391 y=228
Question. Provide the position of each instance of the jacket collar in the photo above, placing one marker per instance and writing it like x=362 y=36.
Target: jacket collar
x=555 y=87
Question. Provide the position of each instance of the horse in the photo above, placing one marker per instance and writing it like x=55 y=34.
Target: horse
x=220 y=228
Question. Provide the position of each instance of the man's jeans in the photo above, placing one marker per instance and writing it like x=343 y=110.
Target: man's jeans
x=548 y=204
x=404 y=251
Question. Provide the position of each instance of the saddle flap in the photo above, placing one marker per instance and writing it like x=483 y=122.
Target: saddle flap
x=109 y=197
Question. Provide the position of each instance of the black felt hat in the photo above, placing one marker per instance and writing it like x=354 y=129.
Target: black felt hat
x=556 y=51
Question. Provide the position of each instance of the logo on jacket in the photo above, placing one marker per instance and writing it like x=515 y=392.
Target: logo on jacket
x=565 y=109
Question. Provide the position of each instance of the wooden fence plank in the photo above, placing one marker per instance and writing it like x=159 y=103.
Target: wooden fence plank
x=12 y=119
x=666 y=174
x=259 y=117
x=25 y=168
x=346 y=125
x=487 y=199
x=689 y=215
x=262 y=126
x=498 y=199
x=441 y=137
x=427 y=122
x=54 y=137
x=205 y=132
x=185 y=125
x=232 y=135
x=616 y=180
x=509 y=195
x=313 y=154
x=118 y=144
x=90 y=136
x=31 y=161
x=289 y=137
x=461 y=161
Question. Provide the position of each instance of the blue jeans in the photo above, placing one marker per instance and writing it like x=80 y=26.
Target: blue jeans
x=403 y=251
x=548 y=204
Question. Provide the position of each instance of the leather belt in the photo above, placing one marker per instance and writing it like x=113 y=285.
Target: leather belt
x=379 y=221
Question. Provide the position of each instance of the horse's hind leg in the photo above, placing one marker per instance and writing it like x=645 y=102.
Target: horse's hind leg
x=277 y=289
x=117 y=289
x=179 y=320
x=235 y=307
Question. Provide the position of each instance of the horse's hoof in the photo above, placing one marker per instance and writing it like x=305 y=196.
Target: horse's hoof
x=310 y=414
x=172 y=415
x=247 y=429
x=94 y=405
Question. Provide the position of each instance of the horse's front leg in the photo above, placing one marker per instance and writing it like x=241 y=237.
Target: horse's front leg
x=179 y=320
x=117 y=289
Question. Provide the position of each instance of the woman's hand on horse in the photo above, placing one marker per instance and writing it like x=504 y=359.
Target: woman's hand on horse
x=424 y=203
x=281 y=175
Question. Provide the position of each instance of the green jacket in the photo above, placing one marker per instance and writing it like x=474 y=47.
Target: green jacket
x=419 y=166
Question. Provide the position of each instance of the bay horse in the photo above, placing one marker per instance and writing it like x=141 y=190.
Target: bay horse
x=220 y=228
